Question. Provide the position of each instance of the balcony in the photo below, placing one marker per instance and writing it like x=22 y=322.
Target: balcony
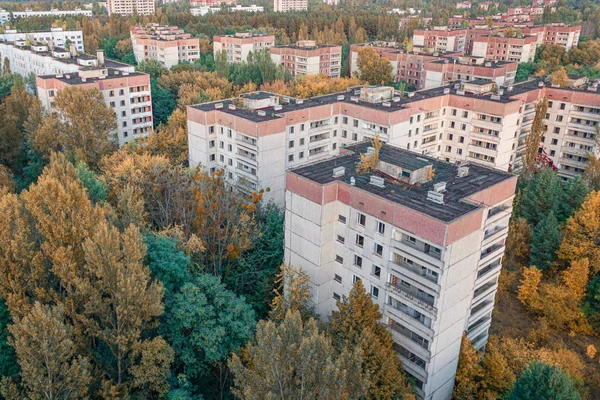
x=247 y=156
x=486 y=288
x=318 y=138
x=320 y=124
x=416 y=272
x=495 y=231
x=406 y=333
x=412 y=294
x=246 y=141
x=492 y=250
x=492 y=267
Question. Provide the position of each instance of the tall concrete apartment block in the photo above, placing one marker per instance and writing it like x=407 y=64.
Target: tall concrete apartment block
x=239 y=45
x=57 y=37
x=440 y=39
x=290 y=5
x=466 y=122
x=308 y=58
x=428 y=250
x=129 y=7
x=168 y=45
x=501 y=48
x=127 y=93
x=426 y=71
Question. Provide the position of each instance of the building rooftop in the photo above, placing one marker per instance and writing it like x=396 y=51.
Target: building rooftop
x=413 y=196
x=75 y=78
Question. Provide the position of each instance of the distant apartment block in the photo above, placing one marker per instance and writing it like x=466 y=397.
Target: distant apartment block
x=54 y=37
x=168 y=45
x=424 y=71
x=308 y=58
x=130 y=7
x=211 y=3
x=127 y=93
x=425 y=237
x=205 y=10
x=440 y=40
x=500 y=48
x=290 y=5
x=467 y=122
x=239 y=45
x=464 y=5
x=566 y=36
x=6 y=16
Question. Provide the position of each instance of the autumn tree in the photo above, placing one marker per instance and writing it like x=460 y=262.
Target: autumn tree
x=50 y=366
x=543 y=381
x=292 y=293
x=83 y=126
x=581 y=232
x=518 y=241
x=170 y=140
x=591 y=174
x=532 y=141
x=356 y=325
x=529 y=285
x=469 y=372
x=373 y=68
x=292 y=359
x=560 y=77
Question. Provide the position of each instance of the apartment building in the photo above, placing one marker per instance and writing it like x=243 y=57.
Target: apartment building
x=473 y=121
x=464 y=5
x=424 y=71
x=129 y=7
x=440 y=40
x=168 y=45
x=127 y=93
x=425 y=237
x=563 y=35
x=239 y=45
x=41 y=58
x=290 y=5
x=308 y=58
x=57 y=37
x=211 y=3
x=6 y=16
x=501 y=48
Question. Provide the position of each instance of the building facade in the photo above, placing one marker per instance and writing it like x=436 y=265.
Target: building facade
x=290 y=5
x=425 y=71
x=501 y=48
x=55 y=37
x=6 y=16
x=239 y=45
x=439 y=40
x=429 y=250
x=129 y=7
x=307 y=58
x=563 y=35
x=127 y=93
x=168 y=45
x=468 y=122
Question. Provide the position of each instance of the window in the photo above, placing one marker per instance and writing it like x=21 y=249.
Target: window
x=212 y=157
x=355 y=136
x=301 y=155
x=335 y=120
x=123 y=113
x=557 y=130
x=461 y=139
x=345 y=120
x=355 y=123
x=339 y=259
x=361 y=219
x=411 y=239
x=302 y=127
x=380 y=227
x=465 y=114
x=301 y=141
x=221 y=158
x=342 y=219
x=375 y=292
x=124 y=124
x=550 y=104
x=463 y=127
x=334 y=146
x=358 y=261
x=336 y=296
x=229 y=147
x=559 y=118
x=340 y=239
x=211 y=129
x=112 y=104
x=554 y=141
x=562 y=106
x=454 y=112
x=111 y=93
x=378 y=249
x=411 y=120
x=355 y=279
x=291 y=144
x=376 y=271
x=291 y=129
x=344 y=134
x=337 y=278
x=360 y=240
x=121 y=92
x=335 y=133
x=291 y=158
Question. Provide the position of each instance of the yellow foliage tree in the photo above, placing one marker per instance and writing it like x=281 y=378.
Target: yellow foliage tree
x=368 y=162
x=528 y=290
x=171 y=140
x=373 y=68
x=560 y=77
x=469 y=372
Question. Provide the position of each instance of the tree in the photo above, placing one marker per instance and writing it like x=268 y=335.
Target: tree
x=83 y=126
x=469 y=372
x=542 y=193
x=560 y=77
x=356 y=325
x=6 y=68
x=222 y=64
x=373 y=68
x=152 y=68
x=95 y=187
x=545 y=241
x=163 y=103
x=50 y=366
x=8 y=359
x=167 y=263
x=575 y=193
x=518 y=241
x=580 y=235
x=591 y=305
x=532 y=141
x=528 y=290
x=543 y=381
x=591 y=174
x=292 y=293
x=205 y=325
x=292 y=360
x=171 y=140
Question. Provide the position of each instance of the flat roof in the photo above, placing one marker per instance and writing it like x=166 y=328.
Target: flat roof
x=411 y=196
x=75 y=79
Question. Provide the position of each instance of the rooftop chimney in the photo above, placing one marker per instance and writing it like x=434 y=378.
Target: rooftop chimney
x=100 y=57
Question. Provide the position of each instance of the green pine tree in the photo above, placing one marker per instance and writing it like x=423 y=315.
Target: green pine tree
x=545 y=242
x=540 y=195
x=543 y=381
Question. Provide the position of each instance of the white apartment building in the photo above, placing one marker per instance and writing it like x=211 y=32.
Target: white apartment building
x=429 y=250
x=43 y=59
x=129 y=7
x=239 y=45
x=127 y=93
x=168 y=45
x=6 y=16
x=501 y=48
x=307 y=58
x=440 y=39
x=256 y=144
x=199 y=11
x=56 y=37
x=290 y=5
